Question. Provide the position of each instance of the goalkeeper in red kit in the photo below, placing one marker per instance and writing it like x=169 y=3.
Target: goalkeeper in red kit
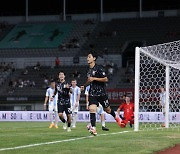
x=128 y=108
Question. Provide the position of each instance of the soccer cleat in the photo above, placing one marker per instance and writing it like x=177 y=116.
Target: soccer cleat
x=131 y=125
x=51 y=125
x=88 y=126
x=105 y=128
x=64 y=126
x=93 y=131
x=118 y=120
x=68 y=129
x=162 y=125
x=56 y=126
x=73 y=126
x=122 y=125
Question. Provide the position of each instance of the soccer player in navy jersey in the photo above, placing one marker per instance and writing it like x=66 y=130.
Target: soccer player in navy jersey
x=63 y=91
x=97 y=93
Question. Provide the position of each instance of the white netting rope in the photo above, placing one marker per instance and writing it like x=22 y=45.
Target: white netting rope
x=167 y=52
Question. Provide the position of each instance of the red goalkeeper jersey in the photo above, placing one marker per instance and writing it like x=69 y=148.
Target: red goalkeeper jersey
x=128 y=109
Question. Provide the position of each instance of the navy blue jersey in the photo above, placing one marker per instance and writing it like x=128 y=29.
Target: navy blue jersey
x=97 y=88
x=63 y=93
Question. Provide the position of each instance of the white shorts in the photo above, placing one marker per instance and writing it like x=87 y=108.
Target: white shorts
x=74 y=109
x=99 y=109
x=53 y=108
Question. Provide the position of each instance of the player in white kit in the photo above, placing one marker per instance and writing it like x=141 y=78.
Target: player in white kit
x=163 y=102
x=99 y=110
x=52 y=105
x=74 y=99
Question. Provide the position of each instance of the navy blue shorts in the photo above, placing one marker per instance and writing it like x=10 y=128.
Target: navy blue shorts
x=64 y=108
x=103 y=100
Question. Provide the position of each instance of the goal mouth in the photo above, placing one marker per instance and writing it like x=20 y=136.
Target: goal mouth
x=157 y=67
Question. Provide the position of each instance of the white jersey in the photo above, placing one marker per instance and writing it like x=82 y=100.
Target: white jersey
x=163 y=98
x=74 y=95
x=50 y=93
x=87 y=90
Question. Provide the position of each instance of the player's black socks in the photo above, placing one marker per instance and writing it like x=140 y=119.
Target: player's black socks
x=93 y=119
x=113 y=113
x=62 y=119
x=69 y=124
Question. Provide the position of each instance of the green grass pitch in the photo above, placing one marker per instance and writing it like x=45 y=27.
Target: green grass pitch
x=116 y=141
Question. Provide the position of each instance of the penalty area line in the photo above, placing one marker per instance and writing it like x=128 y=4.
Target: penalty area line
x=60 y=141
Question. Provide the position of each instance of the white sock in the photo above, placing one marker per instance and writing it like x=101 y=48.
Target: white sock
x=56 y=118
x=51 y=116
x=94 y=128
x=103 y=123
x=74 y=119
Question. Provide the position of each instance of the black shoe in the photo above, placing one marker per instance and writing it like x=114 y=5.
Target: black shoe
x=105 y=128
x=130 y=125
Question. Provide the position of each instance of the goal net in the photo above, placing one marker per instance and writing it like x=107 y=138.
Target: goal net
x=157 y=86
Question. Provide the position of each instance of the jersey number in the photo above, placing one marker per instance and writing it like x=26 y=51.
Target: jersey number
x=106 y=103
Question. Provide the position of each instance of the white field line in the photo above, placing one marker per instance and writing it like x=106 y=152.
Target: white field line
x=60 y=141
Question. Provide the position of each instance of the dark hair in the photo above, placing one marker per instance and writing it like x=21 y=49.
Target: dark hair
x=52 y=80
x=94 y=54
x=61 y=72
x=73 y=79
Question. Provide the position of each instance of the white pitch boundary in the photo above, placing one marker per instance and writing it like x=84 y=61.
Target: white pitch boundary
x=60 y=141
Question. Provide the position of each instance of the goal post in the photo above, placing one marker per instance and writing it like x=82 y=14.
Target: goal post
x=167 y=98
x=136 y=89
x=157 y=86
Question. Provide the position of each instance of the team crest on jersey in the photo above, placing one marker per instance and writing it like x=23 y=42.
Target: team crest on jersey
x=58 y=88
